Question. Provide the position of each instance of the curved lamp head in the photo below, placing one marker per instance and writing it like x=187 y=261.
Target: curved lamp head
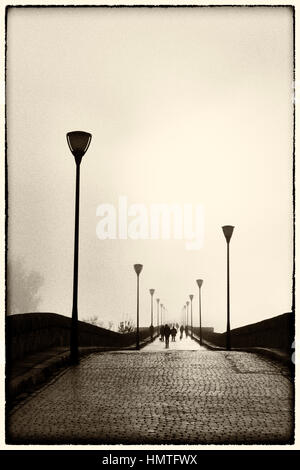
x=78 y=142
x=199 y=282
x=191 y=297
x=227 y=230
x=157 y=300
x=138 y=268
x=151 y=291
x=187 y=303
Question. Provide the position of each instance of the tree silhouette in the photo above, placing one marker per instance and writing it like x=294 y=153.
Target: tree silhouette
x=22 y=288
x=125 y=326
x=94 y=320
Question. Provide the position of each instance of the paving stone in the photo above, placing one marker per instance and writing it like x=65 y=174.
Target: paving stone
x=158 y=396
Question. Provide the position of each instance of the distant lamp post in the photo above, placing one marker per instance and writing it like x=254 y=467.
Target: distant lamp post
x=200 y=282
x=78 y=142
x=161 y=313
x=157 y=312
x=191 y=298
x=187 y=313
x=151 y=327
x=227 y=230
x=138 y=268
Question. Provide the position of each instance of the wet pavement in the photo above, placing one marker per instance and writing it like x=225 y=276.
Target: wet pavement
x=184 y=344
x=185 y=394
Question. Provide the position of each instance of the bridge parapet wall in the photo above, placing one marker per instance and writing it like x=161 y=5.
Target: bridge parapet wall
x=32 y=332
x=276 y=332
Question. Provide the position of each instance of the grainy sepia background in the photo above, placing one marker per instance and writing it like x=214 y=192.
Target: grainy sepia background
x=190 y=106
x=185 y=106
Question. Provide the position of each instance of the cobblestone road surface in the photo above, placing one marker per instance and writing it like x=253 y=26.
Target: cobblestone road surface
x=160 y=396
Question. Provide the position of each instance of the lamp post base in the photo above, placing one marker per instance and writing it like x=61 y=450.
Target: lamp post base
x=228 y=343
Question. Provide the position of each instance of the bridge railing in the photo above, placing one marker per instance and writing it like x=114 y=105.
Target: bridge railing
x=32 y=332
x=276 y=332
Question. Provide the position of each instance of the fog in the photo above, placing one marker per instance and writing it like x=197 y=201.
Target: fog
x=185 y=106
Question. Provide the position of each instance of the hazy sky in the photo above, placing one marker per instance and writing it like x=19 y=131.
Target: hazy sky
x=184 y=105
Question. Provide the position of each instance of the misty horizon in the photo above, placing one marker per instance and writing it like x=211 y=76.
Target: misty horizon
x=184 y=107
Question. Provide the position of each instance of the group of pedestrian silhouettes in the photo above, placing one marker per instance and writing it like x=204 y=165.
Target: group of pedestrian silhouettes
x=166 y=332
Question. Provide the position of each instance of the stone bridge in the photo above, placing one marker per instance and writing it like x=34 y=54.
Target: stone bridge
x=186 y=394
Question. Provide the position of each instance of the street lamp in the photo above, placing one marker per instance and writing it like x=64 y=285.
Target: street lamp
x=151 y=327
x=157 y=301
x=200 y=282
x=185 y=315
x=191 y=298
x=187 y=312
x=78 y=142
x=227 y=230
x=138 y=268
x=161 y=313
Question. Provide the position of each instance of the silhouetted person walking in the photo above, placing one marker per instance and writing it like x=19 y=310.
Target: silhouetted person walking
x=181 y=331
x=162 y=333
x=167 y=332
x=173 y=333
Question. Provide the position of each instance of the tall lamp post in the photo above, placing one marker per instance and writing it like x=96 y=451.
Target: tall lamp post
x=187 y=312
x=138 y=268
x=151 y=327
x=78 y=142
x=161 y=313
x=227 y=230
x=200 y=282
x=157 y=301
x=191 y=298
